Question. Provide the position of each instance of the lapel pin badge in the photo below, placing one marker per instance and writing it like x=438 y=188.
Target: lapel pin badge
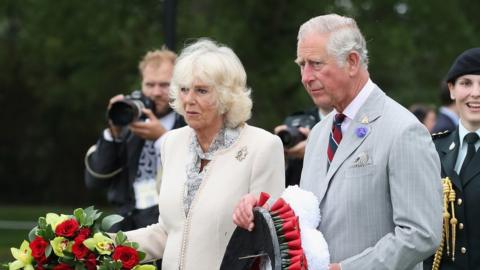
x=364 y=120
x=361 y=131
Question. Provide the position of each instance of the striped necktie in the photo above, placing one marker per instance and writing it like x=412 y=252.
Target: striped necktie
x=335 y=136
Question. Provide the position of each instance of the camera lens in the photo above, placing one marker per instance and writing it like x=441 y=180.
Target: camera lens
x=124 y=112
x=290 y=137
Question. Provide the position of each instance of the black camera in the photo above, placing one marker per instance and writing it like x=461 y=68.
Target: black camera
x=291 y=136
x=129 y=109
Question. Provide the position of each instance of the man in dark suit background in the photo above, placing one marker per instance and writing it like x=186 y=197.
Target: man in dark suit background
x=125 y=160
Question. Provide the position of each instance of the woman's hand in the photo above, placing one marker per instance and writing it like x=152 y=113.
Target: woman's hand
x=243 y=213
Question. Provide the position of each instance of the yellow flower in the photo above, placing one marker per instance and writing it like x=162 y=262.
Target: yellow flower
x=54 y=219
x=61 y=244
x=100 y=242
x=23 y=257
x=144 y=267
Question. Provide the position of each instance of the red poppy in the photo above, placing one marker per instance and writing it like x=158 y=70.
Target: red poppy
x=263 y=199
x=278 y=204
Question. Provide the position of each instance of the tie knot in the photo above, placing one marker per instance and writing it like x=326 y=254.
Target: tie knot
x=471 y=137
x=339 y=117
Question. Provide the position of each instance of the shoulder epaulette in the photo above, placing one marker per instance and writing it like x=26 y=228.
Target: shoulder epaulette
x=441 y=134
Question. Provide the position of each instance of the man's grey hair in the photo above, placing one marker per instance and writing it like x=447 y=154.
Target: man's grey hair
x=345 y=36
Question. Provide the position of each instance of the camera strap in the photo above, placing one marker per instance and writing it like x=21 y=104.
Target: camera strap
x=90 y=151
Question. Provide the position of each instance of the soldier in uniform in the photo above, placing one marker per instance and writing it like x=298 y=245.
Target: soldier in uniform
x=460 y=248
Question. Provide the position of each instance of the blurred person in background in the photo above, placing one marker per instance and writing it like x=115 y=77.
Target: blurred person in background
x=124 y=159
x=460 y=159
x=294 y=133
x=425 y=114
x=210 y=164
x=447 y=116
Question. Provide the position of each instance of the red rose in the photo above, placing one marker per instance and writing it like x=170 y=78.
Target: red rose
x=68 y=228
x=62 y=266
x=127 y=255
x=38 y=246
x=83 y=234
x=80 y=250
x=91 y=262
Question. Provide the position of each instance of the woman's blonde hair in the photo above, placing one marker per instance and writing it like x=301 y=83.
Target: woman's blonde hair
x=217 y=66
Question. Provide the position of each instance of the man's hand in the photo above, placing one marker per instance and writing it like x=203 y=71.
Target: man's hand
x=298 y=150
x=150 y=130
x=243 y=213
x=114 y=130
x=334 y=266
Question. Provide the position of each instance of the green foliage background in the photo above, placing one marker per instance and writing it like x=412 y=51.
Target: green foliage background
x=60 y=62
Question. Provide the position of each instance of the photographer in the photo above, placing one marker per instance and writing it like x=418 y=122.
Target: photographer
x=294 y=133
x=124 y=160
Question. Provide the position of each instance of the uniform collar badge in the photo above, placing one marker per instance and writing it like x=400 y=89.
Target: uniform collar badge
x=451 y=146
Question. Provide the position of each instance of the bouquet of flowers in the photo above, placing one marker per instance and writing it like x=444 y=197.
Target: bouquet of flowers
x=77 y=242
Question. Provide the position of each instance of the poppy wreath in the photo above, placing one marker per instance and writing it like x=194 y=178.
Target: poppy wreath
x=296 y=216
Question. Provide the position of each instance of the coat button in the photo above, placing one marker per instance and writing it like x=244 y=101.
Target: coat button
x=463 y=250
x=459 y=201
x=460 y=226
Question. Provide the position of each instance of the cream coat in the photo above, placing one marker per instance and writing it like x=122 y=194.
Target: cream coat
x=254 y=163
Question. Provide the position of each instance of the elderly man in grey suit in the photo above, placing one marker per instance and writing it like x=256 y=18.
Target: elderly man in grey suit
x=371 y=164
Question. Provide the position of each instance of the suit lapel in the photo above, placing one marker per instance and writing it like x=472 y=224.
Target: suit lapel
x=365 y=117
x=449 y=151
x=320 y=160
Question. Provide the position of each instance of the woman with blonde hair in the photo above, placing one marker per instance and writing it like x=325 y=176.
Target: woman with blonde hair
x=210 y=164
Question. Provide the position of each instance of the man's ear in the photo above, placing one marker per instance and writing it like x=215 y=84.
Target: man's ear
x=353 y=63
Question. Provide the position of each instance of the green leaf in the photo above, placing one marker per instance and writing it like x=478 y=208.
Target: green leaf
x=89 y=220
x=109 y=221
x=49 y=233
x=32 y=233
x=141 y=255
x=48 y=251
x=42 y=222
x=120 y=238
x=117 y=265
x=134 y=245
x=90 y=214
x=80 y=266
x=80 y=216
x=68 y=256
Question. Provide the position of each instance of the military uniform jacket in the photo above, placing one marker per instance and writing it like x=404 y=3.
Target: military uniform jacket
x=467 y=204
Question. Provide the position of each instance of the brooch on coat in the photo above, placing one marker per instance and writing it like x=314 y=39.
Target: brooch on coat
x=241 y=154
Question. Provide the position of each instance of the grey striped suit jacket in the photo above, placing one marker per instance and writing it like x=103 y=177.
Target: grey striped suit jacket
x=381 y=198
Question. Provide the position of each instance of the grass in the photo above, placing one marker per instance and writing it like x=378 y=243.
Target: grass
x=13 y=237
